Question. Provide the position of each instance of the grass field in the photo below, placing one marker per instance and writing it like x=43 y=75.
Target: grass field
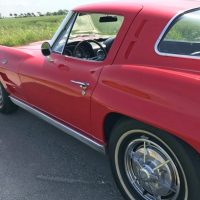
x=20 y=31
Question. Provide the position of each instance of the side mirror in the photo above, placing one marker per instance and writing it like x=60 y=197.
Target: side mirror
x=46 y=49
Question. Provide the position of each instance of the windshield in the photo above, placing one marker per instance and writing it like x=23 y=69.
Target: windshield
x=90 y=26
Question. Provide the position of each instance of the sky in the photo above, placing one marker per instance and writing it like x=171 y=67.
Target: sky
x=25 y=6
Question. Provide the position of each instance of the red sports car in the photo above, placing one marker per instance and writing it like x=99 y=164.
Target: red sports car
x=122 y=77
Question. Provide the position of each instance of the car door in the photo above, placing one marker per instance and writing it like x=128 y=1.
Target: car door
x=62 y=84
x=65 y=90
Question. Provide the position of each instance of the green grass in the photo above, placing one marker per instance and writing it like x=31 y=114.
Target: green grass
x=21 y=31
x=185 y=30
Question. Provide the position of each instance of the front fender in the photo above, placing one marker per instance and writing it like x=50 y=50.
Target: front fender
x=10 y=59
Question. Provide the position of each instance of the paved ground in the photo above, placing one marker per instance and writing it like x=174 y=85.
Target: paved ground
x=39 y=162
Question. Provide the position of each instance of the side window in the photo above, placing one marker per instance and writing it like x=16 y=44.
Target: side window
x=183 y=37
x=59 y=45
x=90 y=37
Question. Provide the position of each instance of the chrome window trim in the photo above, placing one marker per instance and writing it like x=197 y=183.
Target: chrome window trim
x=91 y=143
x=69 y=23
x=179 y=14
x=61 y=27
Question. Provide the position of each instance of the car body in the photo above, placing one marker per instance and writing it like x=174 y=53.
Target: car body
x=142 y=76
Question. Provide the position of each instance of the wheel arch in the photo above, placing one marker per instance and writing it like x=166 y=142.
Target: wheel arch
x=112 y=118
x=3 y=83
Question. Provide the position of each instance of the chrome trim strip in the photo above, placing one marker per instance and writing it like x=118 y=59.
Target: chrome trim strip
x=96 y=146
x=61 y=27
x=81 y=84
x=163 y=33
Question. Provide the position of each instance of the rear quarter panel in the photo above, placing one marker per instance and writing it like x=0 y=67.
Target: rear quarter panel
x=157 y=90
x=159 y=97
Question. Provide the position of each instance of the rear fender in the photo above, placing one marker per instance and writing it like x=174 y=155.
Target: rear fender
x=161 y=98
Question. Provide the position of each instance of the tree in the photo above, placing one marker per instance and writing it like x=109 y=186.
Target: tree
x=54 y=13
x=48 y=14
x=61 y=12
x=29 y=15
x=15 y=15
x=11 y=14
x=40 y=14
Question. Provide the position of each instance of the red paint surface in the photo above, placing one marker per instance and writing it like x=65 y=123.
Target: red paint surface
x=133 y=80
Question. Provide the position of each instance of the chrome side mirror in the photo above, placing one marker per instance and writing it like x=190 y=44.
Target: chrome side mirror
x=46 y=49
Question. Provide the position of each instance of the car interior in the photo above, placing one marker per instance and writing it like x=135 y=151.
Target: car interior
x=180 y=47
x=89 y=49
x=89 y=37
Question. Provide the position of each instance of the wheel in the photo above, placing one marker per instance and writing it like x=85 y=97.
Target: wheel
x=6 y=105
x=149 y=164
x=101 y=53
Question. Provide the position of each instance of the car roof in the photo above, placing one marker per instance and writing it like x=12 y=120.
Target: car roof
x=167 y=8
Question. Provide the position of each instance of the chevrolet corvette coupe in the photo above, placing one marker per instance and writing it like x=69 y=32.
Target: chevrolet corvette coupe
x=123 y=78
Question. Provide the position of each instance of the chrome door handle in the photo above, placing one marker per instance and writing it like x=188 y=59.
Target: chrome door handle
x=82 y=85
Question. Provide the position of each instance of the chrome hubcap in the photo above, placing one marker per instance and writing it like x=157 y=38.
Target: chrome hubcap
x=151 y=171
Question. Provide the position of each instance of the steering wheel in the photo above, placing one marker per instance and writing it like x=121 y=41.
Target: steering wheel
x=101 y=53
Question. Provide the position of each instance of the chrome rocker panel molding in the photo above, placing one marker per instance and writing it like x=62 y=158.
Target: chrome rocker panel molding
x=91 y=143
